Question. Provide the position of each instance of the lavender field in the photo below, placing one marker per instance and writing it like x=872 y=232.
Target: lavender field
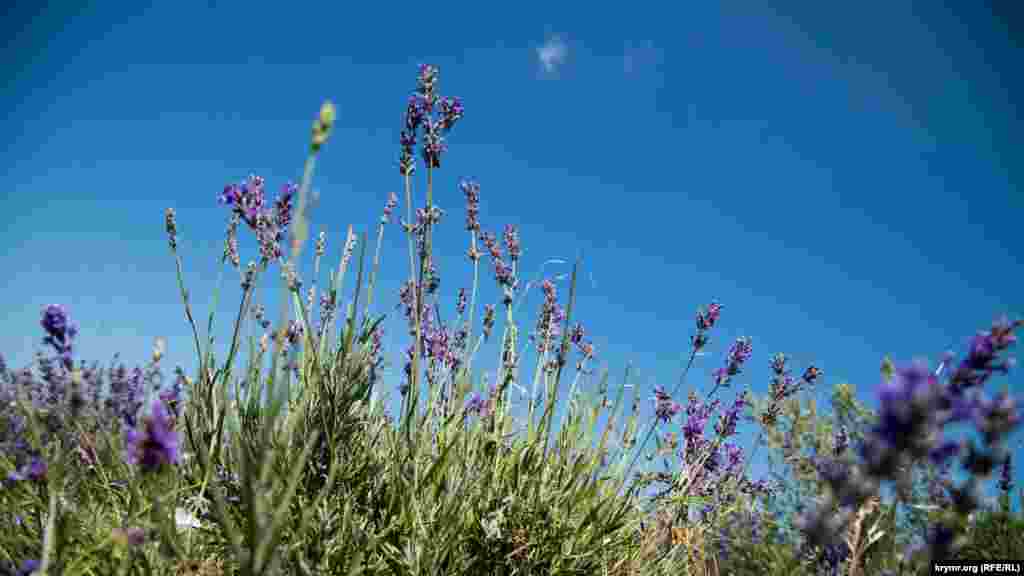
x=431 y=393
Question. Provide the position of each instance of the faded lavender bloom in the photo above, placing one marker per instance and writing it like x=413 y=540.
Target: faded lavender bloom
x=433 y=280
x=460 y=303
x=294 y=332
x=407 y=139
x=321 y=244
x=471 y=189
x=488 y=320
x=665 y=409
x=549 y=320
x=491 y=243
x=259 y=314
x=249 y=277
x=231 y=242
x=290 y=276
x=171 y=397
x=350 y=246
x=156 y=444
x=738 y=354
x=171 y=225
x=512 y=242
x=389 y=207
x=60 y=331
x=328 y=304
x=407 y=300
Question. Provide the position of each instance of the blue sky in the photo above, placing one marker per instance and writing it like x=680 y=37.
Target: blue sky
x=845 y=180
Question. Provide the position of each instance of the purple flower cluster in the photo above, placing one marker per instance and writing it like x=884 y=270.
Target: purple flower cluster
x=914 y=406
x=549 y=319
x=784 y=386
x=705 y=322
x=247 y=202
x=420 y=113
x=583 y=347
x=665 y=408
x=503 y=273
x=60 y=332
x=156 y=444
x=738 y=354
x=471 y=189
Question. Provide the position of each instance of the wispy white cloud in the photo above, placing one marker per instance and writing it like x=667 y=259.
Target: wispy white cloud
x=552 y=53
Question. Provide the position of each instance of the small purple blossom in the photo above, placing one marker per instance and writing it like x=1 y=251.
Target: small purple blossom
x=35 y=470
x=488 y=320
x=460 y=303
x=511 y=236
x=665 y=409
x=60 y=331
x=471 y=189
x=738 y=354
x=156 y=444
x=726 y=425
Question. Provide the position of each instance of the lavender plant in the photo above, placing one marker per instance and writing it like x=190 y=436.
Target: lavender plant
x=299 y=470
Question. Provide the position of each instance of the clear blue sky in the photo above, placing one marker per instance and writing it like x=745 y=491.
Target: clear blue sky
x=844 y=179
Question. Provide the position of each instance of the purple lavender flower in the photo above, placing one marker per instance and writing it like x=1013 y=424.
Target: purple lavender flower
x=995 y=418
x=460 y=303
x=60 y=330
x=472 y=191
x=726 y=425
x=665 y=409
x=156 y=444
x=171 y=225
x=35 y=470
x=294 y=332
x=475 y=404
x=488 y=320
x=231 y=242
x=738 y=354
x=982 y=360
x=549 y=319
x=418 y=114
x=29 y=567
x=706 y=320
x=511 y=236
x=247 y=202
